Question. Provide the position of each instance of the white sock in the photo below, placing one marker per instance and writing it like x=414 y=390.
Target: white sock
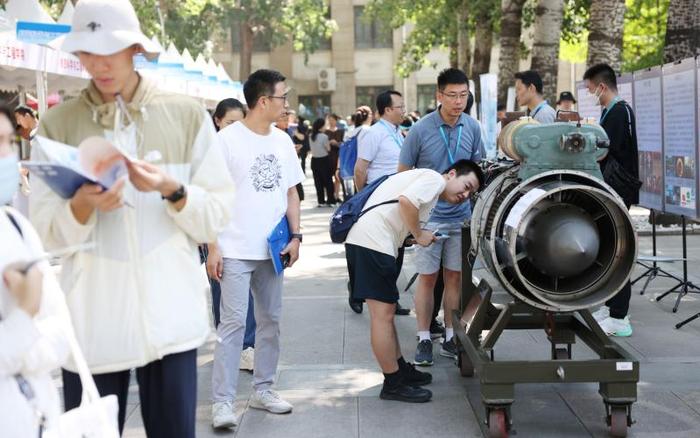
x=424 y=335
x=449 y=333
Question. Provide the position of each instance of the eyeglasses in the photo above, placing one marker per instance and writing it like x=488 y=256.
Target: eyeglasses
x=285 y=97
x=455 y=96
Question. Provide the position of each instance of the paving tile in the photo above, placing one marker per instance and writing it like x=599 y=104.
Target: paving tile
x=443 y=416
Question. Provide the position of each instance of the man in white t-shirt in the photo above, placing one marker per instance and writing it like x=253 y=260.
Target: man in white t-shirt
x=378 y=155
x=371 y=250
x=263 y=164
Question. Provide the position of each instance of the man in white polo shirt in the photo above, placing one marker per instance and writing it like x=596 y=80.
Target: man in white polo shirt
x=378 y=150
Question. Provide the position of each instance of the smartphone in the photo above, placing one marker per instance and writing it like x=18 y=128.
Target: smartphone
x=286 y=258
x=439 y=236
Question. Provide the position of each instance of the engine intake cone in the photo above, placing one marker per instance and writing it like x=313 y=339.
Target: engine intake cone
x=562 y=241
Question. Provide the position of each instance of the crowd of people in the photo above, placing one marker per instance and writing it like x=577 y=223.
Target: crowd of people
x=132 y=292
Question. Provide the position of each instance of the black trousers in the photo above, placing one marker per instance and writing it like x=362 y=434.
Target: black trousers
x=167 y=389
x=620 y=303
x=323 y=180
x=302 y=157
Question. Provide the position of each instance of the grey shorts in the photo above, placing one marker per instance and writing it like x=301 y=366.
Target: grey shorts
x=449 y=251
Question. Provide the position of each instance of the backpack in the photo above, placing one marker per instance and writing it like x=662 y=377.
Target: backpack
x=351 y=211
x=348 y=156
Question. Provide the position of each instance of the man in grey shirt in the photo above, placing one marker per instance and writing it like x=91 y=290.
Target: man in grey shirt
x=528 y=90
x=437 y=141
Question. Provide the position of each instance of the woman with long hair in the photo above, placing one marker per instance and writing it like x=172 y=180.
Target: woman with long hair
x=320 y=164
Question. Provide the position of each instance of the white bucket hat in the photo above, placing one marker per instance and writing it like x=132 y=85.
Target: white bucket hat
x=105 y=27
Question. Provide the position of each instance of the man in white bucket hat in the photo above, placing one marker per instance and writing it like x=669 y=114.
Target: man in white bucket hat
x=138 y=299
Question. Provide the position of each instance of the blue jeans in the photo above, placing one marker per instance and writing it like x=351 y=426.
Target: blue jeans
x=249 y=337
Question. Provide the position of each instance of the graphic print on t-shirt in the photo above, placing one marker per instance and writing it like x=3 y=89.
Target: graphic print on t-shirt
x=266 y=173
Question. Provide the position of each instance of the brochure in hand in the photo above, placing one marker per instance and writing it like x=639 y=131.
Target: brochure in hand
x=94 y=161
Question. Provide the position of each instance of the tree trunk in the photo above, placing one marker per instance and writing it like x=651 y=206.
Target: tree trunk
x=454 y=62
x=464 y=45
x=483 y=42
x=246 y=51
x=682 y=30
x=607 y=19
x=509 y=61
x=545 y=47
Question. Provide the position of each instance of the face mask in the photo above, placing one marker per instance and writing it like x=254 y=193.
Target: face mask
x=9 y=179
x=597 y=95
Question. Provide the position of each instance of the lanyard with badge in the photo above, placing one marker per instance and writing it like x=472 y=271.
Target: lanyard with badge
x=615 y=100
x=447 y=143
x=393 y=134
x=537 y=109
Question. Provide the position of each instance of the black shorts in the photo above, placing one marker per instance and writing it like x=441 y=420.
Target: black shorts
x=373 y=274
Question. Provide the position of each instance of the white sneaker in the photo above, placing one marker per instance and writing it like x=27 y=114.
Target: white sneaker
x=270 y=401
x=222 y=415
x=601 y=314
x=617 y=327
x=247 y=359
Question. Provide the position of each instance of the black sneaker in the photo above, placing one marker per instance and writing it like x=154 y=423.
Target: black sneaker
x=424 y=353
x=405 y=393
x=449 y=349
x=412 y=377
x=437 y=330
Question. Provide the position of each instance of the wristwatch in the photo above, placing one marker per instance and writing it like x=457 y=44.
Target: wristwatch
x=176 y=195
x=297 y=236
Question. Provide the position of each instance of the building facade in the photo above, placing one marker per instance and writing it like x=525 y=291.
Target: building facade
x=354 y=66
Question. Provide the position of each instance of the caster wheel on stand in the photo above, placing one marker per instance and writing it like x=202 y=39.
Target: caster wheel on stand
x=498 y=423
x=618 y=420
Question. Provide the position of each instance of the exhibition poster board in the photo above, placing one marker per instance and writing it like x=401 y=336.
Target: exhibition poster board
x=586 y=104
x=680 y=137
x=649 y=118
x=625 y=88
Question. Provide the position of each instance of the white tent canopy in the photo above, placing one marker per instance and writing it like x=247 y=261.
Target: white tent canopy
x=67 y=14
x=27 y=10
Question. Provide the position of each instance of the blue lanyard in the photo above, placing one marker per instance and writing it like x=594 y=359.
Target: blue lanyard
x=538 y=108
x=447 y=143
x=392 y=133
x=615 y=100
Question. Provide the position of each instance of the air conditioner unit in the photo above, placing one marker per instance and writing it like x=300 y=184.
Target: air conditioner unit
x=326 y=79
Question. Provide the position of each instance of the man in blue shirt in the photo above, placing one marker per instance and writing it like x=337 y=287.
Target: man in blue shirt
x=437 y=141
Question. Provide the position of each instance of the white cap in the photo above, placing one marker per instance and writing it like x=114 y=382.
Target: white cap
x=105 y=27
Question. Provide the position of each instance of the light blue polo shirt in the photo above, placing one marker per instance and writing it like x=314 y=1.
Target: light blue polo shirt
x=425 y=148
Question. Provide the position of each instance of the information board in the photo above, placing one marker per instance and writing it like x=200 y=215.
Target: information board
x=680 y=137
x=625 y=88
x=586 y=104
x=647 y=96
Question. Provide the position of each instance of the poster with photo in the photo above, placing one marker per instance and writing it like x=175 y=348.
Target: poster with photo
x=680 y=137
x=649 y=116
x=625 y=88
x=585 y=103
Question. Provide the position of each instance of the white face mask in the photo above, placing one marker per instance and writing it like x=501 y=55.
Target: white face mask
x=597 y=96
x=9 y=178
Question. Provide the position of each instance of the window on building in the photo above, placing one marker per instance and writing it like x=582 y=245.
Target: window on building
x=314 y=107
x=426 y=97
x=368 y=95
x=371 y=34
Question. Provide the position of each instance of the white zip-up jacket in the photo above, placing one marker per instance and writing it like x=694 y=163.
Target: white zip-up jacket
x=141 y=293
x=30 y=346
